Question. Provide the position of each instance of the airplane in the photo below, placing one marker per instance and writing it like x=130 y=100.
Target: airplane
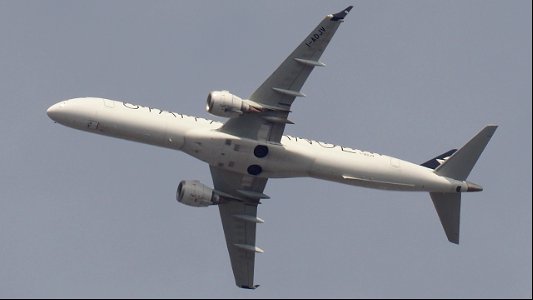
x=250 y=147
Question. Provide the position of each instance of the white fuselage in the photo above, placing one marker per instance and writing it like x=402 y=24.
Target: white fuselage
x=292 y=157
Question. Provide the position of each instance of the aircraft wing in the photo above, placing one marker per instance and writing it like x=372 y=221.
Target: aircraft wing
x=278 y=92
x=238 y=212
x=241 y=193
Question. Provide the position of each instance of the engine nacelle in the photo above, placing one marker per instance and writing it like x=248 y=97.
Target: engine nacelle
x=194 y=193
x=225 y=104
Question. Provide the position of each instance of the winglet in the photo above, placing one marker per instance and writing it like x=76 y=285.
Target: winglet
x=342 y=14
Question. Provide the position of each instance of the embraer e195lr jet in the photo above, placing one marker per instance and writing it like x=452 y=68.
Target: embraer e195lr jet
x=249 y=148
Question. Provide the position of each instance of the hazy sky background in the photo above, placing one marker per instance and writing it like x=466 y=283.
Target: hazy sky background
x=83 y=215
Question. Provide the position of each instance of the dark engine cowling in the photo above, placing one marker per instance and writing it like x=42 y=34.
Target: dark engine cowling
x=225 y=104
x=194 y=193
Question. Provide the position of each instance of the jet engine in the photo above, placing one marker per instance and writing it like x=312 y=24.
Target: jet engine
x=225 y=104
x=194 y=193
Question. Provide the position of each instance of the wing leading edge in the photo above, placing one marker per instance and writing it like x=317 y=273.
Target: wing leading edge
x=285 y=84
x=242 y=192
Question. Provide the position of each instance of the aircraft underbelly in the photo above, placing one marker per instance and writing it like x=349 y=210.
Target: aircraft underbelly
x=238 y=155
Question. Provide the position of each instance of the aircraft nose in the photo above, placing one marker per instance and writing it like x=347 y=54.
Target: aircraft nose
x=54 y=111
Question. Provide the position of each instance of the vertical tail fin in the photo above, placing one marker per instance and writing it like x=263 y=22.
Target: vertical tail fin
x=458 y=166
x=437 y=161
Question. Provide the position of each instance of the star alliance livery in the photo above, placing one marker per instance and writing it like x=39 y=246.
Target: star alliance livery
x=249 y=148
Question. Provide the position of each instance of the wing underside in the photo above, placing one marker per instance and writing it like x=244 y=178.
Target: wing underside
x=240 y=240
x=241 y=193
x=284 y=85
x=238 y=213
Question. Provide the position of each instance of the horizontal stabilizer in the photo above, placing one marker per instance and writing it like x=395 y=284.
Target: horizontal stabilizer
x=448 y=206
x=459 y=165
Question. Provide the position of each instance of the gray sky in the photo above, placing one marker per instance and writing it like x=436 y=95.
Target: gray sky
x=88 y=216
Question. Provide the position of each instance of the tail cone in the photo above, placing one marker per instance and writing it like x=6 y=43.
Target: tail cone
x=472 y=187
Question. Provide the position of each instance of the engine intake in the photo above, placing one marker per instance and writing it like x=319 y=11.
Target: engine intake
x=225 y=104
x=194 y=193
